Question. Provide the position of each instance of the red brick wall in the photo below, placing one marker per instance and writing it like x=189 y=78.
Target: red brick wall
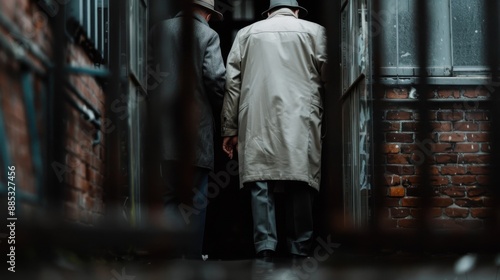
x=84 y=182
x=82 y=173
x=457 y=151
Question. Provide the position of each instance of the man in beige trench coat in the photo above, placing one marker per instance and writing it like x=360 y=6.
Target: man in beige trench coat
x=272 y=115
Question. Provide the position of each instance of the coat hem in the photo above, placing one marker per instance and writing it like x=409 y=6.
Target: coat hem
x=305 y=179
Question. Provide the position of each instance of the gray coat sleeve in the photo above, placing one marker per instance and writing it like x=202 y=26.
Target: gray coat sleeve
x=214 y=73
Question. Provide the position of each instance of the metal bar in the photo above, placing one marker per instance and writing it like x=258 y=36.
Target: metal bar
x=36 y=152
x=114 y=179
x=186 y=128
x=434 y=101
x=331 y=192
x=90 y=117
x=446 y=81
x=18 y=53
x=424 y=125
x=4 y=142
x=99 y=73
x=14 y=31
x=95 y=23
x=54 y=189
x=80 y=96
x=378 y=198
x=352 y=87
x=493 y=59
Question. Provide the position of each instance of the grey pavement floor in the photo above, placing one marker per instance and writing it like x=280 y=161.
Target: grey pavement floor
x=404 y=267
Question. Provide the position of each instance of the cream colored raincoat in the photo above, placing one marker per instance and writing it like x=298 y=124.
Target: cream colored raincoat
x=273 y=100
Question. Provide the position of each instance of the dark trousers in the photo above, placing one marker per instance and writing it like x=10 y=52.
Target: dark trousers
x=299 y=215
x=188 y=218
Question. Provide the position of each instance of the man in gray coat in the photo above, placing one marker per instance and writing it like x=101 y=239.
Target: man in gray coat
x=272 y=114
x=208 y=77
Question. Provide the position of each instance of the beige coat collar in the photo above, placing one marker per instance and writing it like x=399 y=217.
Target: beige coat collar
x=283 y=12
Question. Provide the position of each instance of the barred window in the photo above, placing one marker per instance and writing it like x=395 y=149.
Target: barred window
x=87 y=24
x=454 y=44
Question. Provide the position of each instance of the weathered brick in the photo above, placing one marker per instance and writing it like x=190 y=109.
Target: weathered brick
x=397 y=93
x=391 y=202
x=391 y=126
x=409 y=126
x=414 y=191
x=483 y=180
x=469 y=202
x=481 y=212
x=392 y=169
x=391 y=148
x=439 y=180
x=478 y=137
x=441 y=126
x=476 y=93
x=448 y=93
x=432 y=212
x=81 y=183
x=434 y=170
x=452 y=137
x=399 y=115
x=392 y=179
x=466 y=148
x=453 y=191
x=400 y=212
x=477 y=116
x=396 y=192
x=88 y=202
x=454 y=212
x=453 y=170
x=485 y=148
x=412 y=180
x=466 y=126
x=418 y=158
x=398 y=159
x=477 y=159
x=450 y=116
x=463 y=180
x=441 y=148
x=409 y=148
x=411 y=202
x=477 y=191
x=484 y=126
x=399 y=137
x=441 y=201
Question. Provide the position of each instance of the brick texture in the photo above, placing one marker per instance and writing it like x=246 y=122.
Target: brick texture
x=456 y=153
x=82 y=172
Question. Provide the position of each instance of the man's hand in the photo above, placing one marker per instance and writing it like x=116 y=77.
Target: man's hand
x=229 y=145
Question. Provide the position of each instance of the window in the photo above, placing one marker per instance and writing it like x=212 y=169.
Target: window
x=138 y=43
x=455 y=40
x=87 y=24
x=468 y=32
x=354 y=44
